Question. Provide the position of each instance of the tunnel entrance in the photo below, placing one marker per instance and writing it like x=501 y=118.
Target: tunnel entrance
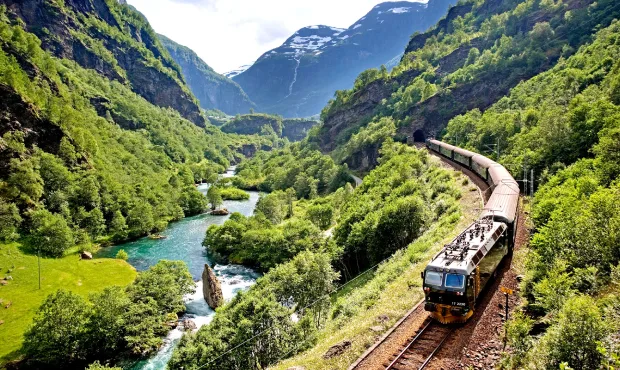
x=419 y=136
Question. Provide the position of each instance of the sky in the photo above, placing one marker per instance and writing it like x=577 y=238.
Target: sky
x=227 y=34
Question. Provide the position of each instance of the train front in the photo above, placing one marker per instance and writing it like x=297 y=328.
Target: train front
x=446 y=295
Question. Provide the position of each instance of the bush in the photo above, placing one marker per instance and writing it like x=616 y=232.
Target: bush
x=51 y=233
x=575 y=336
x=122 y=255
x=230 y=193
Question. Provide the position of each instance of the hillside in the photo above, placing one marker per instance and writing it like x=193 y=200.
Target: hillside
x=469 y=60
x=79 y=148
x=213 y=90
x=298 y=78
x=115 y=41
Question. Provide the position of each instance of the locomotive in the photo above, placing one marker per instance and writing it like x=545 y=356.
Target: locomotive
x=456 y=276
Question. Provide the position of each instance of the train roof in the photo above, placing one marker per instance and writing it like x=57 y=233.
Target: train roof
x=500 y=174
x=466 y=251
x=503 y=203
x=464 y=152
x=483 y=161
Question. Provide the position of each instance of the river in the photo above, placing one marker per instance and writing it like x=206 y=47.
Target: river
x=184 y=242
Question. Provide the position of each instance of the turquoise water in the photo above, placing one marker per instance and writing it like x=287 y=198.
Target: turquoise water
x=184 y=242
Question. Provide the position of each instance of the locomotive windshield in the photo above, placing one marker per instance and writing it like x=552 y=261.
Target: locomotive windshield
x=455 y=281
x=433 y=278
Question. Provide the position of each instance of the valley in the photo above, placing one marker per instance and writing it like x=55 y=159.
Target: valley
x=306 y=188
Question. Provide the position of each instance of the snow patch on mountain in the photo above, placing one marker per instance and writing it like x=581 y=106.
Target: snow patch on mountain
x=238 y=71
x=399 y=10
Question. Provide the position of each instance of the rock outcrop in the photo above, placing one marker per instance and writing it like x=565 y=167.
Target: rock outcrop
x=211 y=288
x=337 y=349
x=297 y=129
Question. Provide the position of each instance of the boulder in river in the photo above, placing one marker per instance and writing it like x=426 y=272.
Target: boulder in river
x=189 y=325
x=220 y=212
x=211 y=288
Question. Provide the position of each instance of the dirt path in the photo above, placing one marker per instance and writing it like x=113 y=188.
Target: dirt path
x=477 y=343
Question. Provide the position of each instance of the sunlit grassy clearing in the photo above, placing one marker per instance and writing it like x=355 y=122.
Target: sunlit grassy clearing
x=71 y=273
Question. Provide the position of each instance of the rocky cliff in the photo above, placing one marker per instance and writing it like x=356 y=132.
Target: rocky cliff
x=114 y=40
x=214 y=91
x=297 y=129
x=298 y=78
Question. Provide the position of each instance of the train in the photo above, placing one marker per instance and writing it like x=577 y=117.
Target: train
x=455 y=278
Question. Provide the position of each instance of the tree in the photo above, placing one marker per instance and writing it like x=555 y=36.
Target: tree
x=166 y=283
x=575 y=336
x=106 y=326
x=215 y=197
x=25 y=181
x=58 y=330
x=97 y=366
x=192 y=201
x=9 y=221
x=118 y=226
x=144 y=325
x=140 y=219
x=321 y=215
x=51 y=233
x=274 y=206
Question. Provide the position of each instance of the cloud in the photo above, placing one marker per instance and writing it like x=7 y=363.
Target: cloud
x=211 y=4
x=271 y=31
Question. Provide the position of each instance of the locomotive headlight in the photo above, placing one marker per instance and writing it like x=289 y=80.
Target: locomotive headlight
x=459 y=293
x=427 y=289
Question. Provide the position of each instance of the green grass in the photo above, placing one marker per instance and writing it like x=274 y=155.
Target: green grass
x=71 y=273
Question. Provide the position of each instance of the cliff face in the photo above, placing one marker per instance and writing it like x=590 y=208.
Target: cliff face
x=115 y=41
x=298 y=78
x=20 y=118
x=213 y=90
x=297 y=129
x=251 y=124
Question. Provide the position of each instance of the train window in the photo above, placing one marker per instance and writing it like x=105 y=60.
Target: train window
x=433 y=278
x=455 y=281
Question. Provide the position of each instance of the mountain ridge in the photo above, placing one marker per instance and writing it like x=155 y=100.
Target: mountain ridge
x=298 y=78
x=213 y=90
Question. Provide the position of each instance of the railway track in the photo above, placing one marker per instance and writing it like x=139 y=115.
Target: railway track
x=421 y=349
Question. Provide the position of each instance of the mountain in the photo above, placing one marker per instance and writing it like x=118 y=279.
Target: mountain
x=470 y=60
x=298 y=78
x=120 y=45
x=213 y=90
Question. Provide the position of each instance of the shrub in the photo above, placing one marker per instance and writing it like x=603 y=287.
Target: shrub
x=122 y=255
